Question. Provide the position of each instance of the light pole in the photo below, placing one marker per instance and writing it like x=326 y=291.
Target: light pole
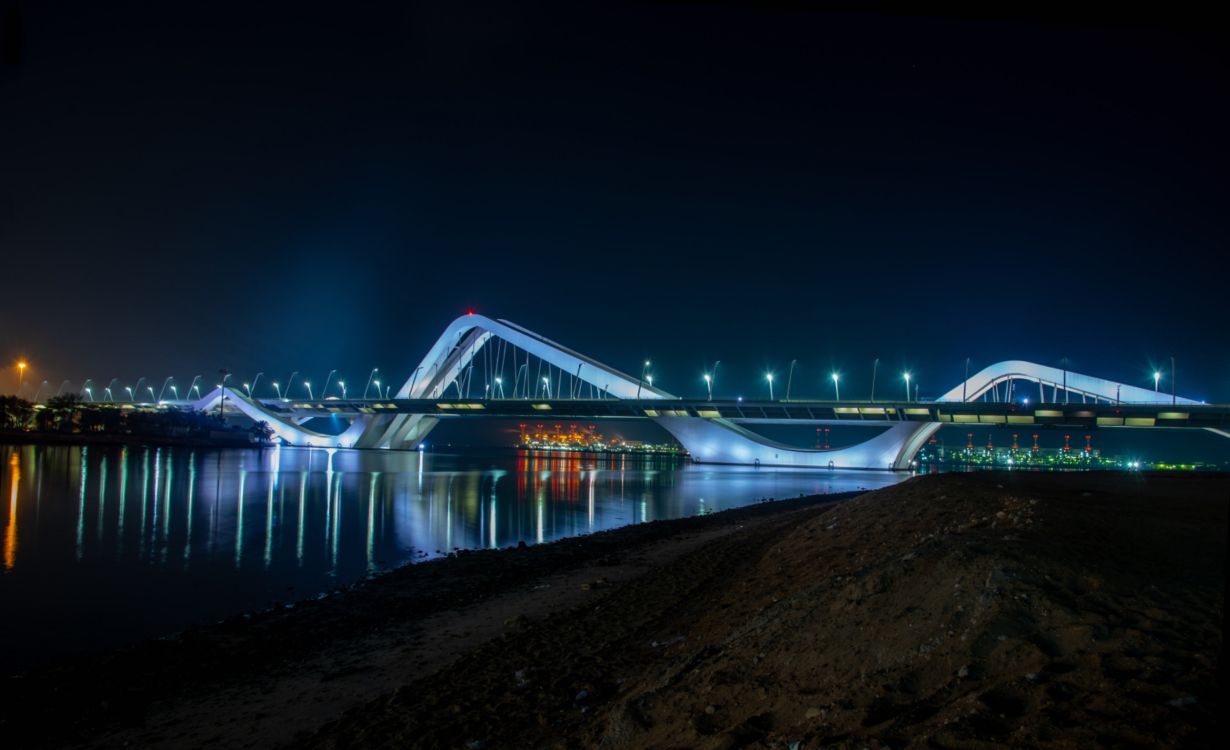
x=255 y=380
x=174 y=392
x=546 y=386
x=790 y=377
x=714 y=371
x=836 y=389
x=649 y=378
x=152 y=398
x=248 y=388
x=1173 y=397
x=39 y=391
x=342 y=384
x=874 y=367
x=89 y=392
x=907 y=387
x=709 y=385
x=21 y=375
x=644 y=367
x=277 y=389
x=163 y=389
x=1065 y=380
x=308 y=385
x=499 y=385
x=965 y=383
x=324 y=392
x=107 y=395
x=377 y=382
x=222 y=401
x=517 y=379
x=1157 y=379
x=769 y=377
x=129 y=389
x=195 y=387
x=371 y=375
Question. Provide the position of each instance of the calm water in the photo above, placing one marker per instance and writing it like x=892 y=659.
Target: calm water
x=106 y=545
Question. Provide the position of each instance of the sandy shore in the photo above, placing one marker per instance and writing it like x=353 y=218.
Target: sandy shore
x=972 y=611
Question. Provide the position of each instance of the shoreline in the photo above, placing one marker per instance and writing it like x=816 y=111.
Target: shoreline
x=954 y=610
x=242 y=648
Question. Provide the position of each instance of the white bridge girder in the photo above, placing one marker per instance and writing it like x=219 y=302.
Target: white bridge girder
x=707 y=440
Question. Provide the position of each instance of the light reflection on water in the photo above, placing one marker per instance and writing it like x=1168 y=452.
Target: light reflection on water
x=105 y=545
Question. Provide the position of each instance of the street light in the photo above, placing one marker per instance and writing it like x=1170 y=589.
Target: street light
x=642 y=380
x=875 y=366
x=21 y=375
x=709 y=385
x=1157 y=379
x=907 y=387
x=195 y=387
x=129 y=389
x=546 y=386
x=836 y=388
x=248 y=387
x=325 y=391
x=342 y=385
x=499 y=385
x=308 y=385
x=152 y=397
x=790 y=378
x=90 y=392
x=769 y=377
x=371 y=375
x=174 y=392
x=277 y=389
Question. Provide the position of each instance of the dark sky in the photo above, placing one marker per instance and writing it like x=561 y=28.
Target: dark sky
x=185 y=187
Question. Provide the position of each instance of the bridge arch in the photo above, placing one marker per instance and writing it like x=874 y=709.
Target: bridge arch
x=1074 y=382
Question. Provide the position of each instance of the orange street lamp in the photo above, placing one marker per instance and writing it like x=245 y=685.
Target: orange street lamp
x=21 y=375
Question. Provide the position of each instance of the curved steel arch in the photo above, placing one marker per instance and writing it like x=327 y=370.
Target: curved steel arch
x=455 y=348
x=1016 y=369
x=290 y=432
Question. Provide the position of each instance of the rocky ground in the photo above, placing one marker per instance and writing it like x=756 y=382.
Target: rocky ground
x=1037 y=610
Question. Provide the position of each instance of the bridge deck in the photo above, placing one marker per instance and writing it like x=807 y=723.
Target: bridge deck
x=987 y=413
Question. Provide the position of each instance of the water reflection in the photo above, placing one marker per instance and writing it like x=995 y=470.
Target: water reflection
x=10 y=528
x=177 y=536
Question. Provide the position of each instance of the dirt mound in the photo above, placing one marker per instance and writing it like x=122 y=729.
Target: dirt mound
x=949 y=611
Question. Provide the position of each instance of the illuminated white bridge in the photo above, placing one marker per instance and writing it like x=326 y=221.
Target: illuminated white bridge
x=711 y=431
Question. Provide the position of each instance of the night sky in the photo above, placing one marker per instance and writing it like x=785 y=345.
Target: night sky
x=190 y=187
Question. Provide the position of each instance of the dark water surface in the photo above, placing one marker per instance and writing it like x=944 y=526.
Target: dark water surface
x=103 y=546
